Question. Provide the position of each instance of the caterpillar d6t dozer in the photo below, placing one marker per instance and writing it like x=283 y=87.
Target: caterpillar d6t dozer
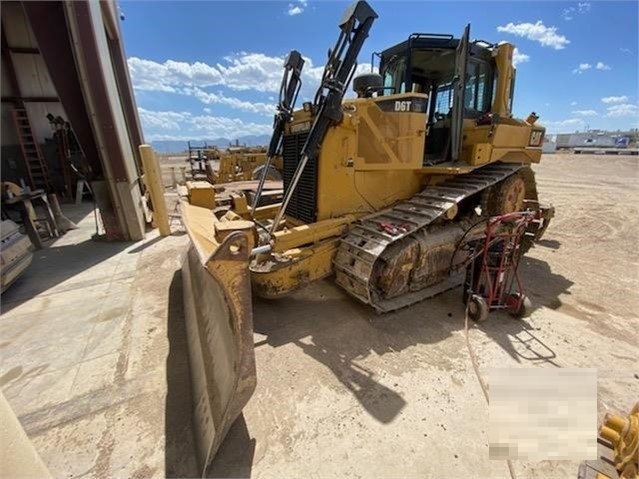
x=380 y=190
x=241 y=163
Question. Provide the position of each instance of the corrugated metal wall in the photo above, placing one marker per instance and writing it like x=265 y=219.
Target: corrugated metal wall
x=32 y=75
x=80 y=55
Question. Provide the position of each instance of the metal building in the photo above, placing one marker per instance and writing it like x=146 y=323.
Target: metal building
x=64 y=68
x=590 y=138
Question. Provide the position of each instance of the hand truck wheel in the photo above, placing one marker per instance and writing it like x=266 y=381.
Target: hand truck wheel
x=477 y=308
x=519 y=308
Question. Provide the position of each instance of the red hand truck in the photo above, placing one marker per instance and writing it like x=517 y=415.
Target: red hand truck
x=492 y=281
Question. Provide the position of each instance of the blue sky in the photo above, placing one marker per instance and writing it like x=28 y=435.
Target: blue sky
x=212 y=69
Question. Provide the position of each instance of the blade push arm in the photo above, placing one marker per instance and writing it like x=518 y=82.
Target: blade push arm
x=290 y=88
x=355 y=25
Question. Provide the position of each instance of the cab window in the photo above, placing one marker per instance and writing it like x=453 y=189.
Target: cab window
x=444 y=102
x=395 y=75
x=477 y=96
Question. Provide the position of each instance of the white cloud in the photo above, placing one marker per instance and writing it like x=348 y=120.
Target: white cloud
x=241 y=72
x=253 y=71
x=246 y=71
x=625 y=50
x=615 y=99
x=563 y=126
x=546 y=36
x=170 y=125
x=625 y=109
x=257 y=71
x=236 y=103
x=294 y=9
x=210 y=126
x=581 y=8
x=587 y=66
x=162 y=120
x=573 y=103
x=582 y=68
x=154 y=76
x=519 y=57
x=585 y=112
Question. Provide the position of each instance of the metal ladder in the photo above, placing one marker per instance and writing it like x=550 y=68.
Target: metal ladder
x=33 y=159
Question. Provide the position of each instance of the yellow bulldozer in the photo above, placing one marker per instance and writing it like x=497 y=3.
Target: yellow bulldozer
x=380 y=191
x=240 y=163
x=228 y=172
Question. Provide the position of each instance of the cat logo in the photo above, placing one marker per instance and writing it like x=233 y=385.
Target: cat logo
x=402 y=105
x=535 y=137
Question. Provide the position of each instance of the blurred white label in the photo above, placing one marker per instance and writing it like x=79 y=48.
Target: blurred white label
x=539 y=414
x=299 y=127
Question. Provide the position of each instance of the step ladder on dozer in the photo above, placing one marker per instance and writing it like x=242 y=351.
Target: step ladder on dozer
x=34 y=161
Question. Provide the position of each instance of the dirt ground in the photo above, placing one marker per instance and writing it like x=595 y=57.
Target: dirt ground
x=343 y=392
x=93 y=353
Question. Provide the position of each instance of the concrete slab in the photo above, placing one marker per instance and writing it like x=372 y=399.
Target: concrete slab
x=37 y=387
x=83 y=347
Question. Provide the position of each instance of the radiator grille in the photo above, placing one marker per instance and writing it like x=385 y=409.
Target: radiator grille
x=302 y=204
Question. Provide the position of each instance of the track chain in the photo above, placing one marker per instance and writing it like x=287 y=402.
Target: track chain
x=369 y=237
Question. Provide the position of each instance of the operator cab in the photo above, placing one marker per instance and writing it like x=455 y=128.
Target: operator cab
x=432 y=64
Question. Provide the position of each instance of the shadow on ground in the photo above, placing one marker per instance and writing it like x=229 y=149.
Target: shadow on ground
x=51 y=266
x=180 y=459
x=548 y=243
x=543 y=287
x=518 y=338
x=338 y=331
x=234 y=458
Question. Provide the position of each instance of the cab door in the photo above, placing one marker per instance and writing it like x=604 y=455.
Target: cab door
x=457 y=119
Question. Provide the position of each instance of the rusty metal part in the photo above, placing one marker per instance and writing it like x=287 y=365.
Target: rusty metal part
x=546 y=213
x=417 y=265
x=278 y=274
x=494 y=203
x=623 y=434
x=507 y=196
x=219 y=325
x=617 y=449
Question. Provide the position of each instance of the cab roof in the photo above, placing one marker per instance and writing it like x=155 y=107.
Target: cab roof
x=435 y=41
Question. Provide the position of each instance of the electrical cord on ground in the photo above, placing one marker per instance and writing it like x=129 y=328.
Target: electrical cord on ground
x=482 y=383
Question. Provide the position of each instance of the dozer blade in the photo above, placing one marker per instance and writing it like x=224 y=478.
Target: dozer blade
x=219 y=326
